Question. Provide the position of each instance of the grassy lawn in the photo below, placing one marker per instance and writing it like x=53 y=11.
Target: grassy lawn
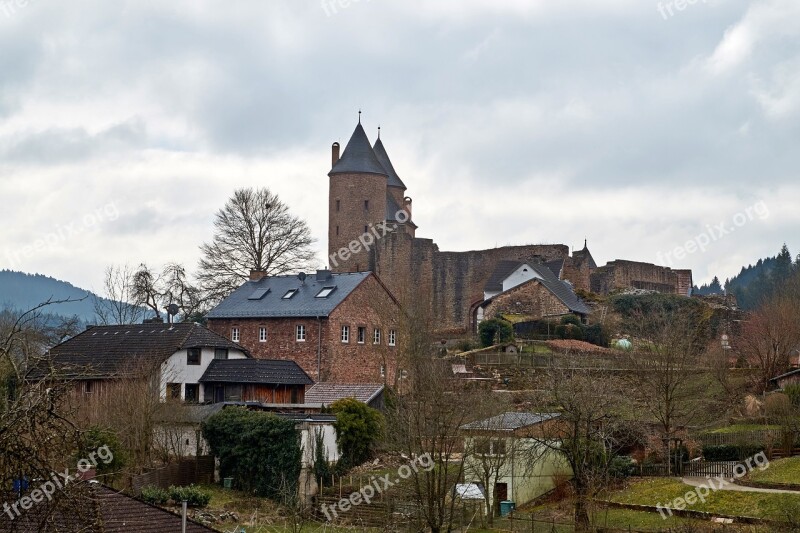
x=780 y=471
x=663 y=491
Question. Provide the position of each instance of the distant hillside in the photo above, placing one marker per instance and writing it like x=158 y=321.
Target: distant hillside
x=23 y=291
x=755 y=282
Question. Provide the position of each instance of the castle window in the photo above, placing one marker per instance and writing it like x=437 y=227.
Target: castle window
x=262 y=334
x=362 y=334
x=345 y=334
x=392 y=338
x=235 y=334
x=337 y=231
x=366 y=229
x=338 y=204
x=300 y=333
x=366 y=205
x=376 y=336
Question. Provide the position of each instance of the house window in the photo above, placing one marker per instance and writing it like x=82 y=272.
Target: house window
x=193 y=356
x=235 y=334
x=192 y=392
x=345 y=333
x=362 y=334
x=483 y=446
x=392 y=338
x=376 y=336
x=88 y=387
x=300 y=333
x=289 y=294
x=173 y=391
x=262 y=334
x=325 y=292
x=366 y=205
x=338 y=204
x=220 y=353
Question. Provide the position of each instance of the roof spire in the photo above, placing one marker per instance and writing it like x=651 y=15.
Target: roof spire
x=585 y=241
x=379 y=131
x=359 y=116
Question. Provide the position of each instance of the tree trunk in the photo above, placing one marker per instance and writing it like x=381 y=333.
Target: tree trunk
x=581 y=509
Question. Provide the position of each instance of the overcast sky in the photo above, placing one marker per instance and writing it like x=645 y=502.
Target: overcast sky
x=124 y=126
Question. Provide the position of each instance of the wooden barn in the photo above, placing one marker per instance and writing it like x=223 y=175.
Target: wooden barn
x=255 y=380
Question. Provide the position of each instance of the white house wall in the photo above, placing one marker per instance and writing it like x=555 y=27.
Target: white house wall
x=175 y=370
x=522 y=274
x=308 y=441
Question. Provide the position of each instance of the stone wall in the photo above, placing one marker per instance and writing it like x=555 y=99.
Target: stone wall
x=621 y=274
x=531 y=299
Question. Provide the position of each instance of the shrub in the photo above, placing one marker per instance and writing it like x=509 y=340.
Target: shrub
x=464 y=345
x=95 y=439
x=358 y=427
x=621 y=466
x=730 y=452
x=260 y=451
x=793 y=392
x=571 y=319
x=155 y=495
x=495 y=331
x=193 y=495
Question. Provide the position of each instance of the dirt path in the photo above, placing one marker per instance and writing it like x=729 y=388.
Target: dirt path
x=730 y=485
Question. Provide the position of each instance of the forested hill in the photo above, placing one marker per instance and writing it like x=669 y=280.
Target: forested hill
x=21 y=291
x=755 y=282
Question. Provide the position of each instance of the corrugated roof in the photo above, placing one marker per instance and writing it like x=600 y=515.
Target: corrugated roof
x=358 y=156
x=113 y=351
x=394 y=180
x=327 y=393
x=304 y=303
x=510 y=421
x=262 y=371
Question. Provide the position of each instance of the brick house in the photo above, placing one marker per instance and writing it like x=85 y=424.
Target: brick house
x=338 y=327
x=528 y=291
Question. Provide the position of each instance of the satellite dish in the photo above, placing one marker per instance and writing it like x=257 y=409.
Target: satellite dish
x=173 y=309
x=301 y=276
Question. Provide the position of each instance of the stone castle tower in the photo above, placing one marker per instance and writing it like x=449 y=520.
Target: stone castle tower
x=366 y=200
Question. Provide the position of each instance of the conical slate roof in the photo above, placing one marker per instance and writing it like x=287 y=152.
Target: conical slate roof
x=383 y=157
x=358 y=156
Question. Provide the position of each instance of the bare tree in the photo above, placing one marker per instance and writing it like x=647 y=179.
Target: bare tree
x=666 y=366
x=586 y=434
x=156 y=290
x=118 y=306
x=253 y=231
x=769 y=336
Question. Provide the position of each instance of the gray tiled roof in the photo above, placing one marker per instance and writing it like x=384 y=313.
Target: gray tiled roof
x=394 y=180
x=110 y=351
x=303 y=304
x=502 y=270
x=262 y=371
x=510 y=421
x=327 y=393
x=358 y=156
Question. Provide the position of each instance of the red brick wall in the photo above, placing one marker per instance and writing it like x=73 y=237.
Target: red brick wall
x=531 y=299
x=369 y=305
x=351 y=190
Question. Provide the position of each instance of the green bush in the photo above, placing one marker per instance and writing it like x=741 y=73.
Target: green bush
x=793 y=392
x=571 y=319
x=621 y=466
x=155 y=495
x=495 y=331
x=260 y=451
x=358 y=428
x=192 y=495
x=730 y=452
x=113 y=457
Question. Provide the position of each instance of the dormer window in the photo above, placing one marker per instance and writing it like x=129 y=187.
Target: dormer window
x=289 y=294
x=325 y=292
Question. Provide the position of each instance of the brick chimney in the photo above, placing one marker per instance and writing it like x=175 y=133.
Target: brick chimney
x=257 y=275
x=334 y=154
